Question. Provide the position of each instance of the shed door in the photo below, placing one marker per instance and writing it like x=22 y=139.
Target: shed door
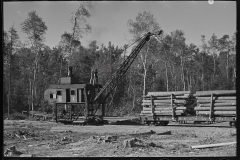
x=67 y=95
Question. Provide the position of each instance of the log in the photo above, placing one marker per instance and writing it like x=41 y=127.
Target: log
x=162 y=101
x=165 y=133
x=205 y=98
x=213 y=145
x=215 y=108
x=224 y=104
x=217 y=104
x=169 y=106
x=182 y=97
x=225 y=108
x=160 y=104
x=163 y=109
x=146 y=114
x=180 y=101
x=147 y=109
x=217 y=98
x=218 y=112
x=179 y=108
x=156 y=97
x=163 y=106
x=157 y=101
x=217 y=91
x=202 y=108
x=225 y=101
x=204 y=101
x=228 y=98
x=177 y=111
x=167 y=97
x=143 y=133
x=176 y=93
x=167 y=114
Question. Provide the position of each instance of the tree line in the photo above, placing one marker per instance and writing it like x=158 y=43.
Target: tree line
x=165 y=63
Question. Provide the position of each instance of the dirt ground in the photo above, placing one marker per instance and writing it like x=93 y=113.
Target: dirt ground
x=50 y=139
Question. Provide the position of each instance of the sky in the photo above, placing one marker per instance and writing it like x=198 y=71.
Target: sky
x=109 y=19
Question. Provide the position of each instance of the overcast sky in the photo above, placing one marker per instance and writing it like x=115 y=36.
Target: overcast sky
x=109 y=19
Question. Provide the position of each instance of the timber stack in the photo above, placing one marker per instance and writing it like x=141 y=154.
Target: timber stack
x=219 y=102
x=166 y=103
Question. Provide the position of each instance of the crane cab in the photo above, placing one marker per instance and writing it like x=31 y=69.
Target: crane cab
x=71 y=99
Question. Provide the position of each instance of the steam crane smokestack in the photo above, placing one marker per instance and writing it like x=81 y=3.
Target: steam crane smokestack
x=70 y=71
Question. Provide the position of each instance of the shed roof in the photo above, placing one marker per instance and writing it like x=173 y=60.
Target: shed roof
x=65 y=86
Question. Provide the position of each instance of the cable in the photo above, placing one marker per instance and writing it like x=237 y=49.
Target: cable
x=134 y=42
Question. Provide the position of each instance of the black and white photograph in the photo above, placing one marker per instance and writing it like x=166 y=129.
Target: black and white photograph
x=119 y=79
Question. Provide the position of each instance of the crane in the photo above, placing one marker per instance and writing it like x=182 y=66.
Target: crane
x=111 y=84
x=85 y=99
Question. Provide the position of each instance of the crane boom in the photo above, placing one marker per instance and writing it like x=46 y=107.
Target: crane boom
x=117 y=76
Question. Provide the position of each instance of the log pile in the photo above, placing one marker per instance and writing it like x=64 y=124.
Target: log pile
x=216 y=102
x=165 y=103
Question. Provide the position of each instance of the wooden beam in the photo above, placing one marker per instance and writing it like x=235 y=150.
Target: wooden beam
x=211 y=107
x=213 y=145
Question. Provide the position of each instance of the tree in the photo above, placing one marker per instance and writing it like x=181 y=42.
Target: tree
x=224 y=46
x=213 y=49
x=144 y=22
x=11 y=42
x=63 y=47
x=80 y=24
x=35 y=28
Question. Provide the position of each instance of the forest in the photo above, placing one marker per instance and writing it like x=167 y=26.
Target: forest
x=165 y=63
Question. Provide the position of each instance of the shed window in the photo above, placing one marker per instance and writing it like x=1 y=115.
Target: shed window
x=51 y=95
x=72 y=92
x=59 y=93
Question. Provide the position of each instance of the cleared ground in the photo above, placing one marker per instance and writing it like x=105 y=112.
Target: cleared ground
x=50 y=139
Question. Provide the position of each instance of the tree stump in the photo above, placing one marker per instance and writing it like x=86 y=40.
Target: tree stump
x=129 y=143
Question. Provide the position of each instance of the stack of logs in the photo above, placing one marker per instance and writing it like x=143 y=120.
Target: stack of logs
x=216 y=102
x=165 y=103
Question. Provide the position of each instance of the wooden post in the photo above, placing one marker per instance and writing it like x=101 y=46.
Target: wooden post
x=70 y=112
x=173 y=111
x=55 y=106
x=211 y=107
x=103 y=109
x=86 y=102
x=152 y=104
